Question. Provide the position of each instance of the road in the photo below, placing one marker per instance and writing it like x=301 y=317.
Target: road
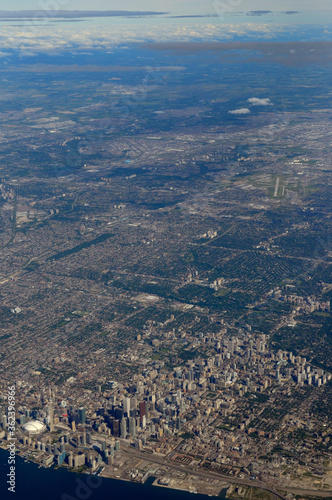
x=149 y=457
x=201 y=472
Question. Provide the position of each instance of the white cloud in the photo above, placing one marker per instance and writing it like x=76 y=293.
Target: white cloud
x=255 y=101
x=71 y=37
x=241 y=111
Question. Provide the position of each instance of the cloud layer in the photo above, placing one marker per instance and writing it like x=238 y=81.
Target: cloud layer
x=255 y=101
x=241 y=111
x=56 y=38
x=47 y=37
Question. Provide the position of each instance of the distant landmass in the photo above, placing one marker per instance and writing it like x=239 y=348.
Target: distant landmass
x=71 y=14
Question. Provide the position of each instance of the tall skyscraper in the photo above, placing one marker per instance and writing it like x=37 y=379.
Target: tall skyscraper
x=142 y=410
x=116 y=428
x=133 y=403
x=71 y=460
x=118 y=412
x=81 y=415
x=51 y=416
x=126 y=407
x=88 y=438
x=132 y=427
x=123 y=428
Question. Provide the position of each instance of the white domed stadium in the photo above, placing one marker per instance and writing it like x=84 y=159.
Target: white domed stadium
x=34 y=427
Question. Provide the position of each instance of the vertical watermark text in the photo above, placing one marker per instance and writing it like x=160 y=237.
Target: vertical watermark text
x=11 y=446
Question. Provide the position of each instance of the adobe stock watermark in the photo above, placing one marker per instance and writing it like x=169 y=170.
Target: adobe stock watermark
x=11 y=446
x=278 y=122
x=48 y=10
x=92 y=141
x=84 y=489
x=222 y=7
x=302 y=272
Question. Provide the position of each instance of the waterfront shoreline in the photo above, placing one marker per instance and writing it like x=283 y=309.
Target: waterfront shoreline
x=29 y=473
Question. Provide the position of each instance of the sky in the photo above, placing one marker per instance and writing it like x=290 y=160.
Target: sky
x=184 y=6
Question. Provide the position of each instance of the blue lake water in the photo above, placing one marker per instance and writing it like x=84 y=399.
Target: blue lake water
x=34 y=483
